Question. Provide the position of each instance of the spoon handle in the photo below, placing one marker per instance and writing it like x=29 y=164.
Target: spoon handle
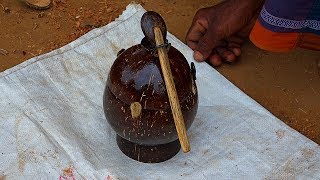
x=172 y=92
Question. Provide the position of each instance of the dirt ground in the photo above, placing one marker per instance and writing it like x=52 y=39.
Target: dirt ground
x=287 y=84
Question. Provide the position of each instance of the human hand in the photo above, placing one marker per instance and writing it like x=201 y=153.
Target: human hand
x=218 y=32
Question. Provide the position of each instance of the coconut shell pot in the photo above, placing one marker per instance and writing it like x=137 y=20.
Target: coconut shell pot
x=136 y=103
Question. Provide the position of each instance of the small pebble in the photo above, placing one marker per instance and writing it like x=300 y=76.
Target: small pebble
x=18 y=51
x=3 y=52
x=109 y=10
x=87 y=23
x=7 y=10
x=41 y=15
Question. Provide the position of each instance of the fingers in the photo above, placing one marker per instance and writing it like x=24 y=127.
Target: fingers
x=214 y=59
x=205 y=46
x=235 y=48
x=234 y=44
x=222 y=54
x=197 y=30
x=201 y=40
x=235 y=40
x=236 y=51
x=192 y=44
x=226 y=54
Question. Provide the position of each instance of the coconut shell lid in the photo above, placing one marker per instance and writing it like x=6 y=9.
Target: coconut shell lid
x=136 y=76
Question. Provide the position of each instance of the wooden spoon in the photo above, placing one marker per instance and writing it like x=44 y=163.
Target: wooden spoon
x=154 y=28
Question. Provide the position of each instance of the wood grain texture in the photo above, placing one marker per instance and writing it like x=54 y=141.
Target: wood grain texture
x=172 y=92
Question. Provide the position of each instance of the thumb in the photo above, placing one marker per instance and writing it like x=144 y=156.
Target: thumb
x=205 y=46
